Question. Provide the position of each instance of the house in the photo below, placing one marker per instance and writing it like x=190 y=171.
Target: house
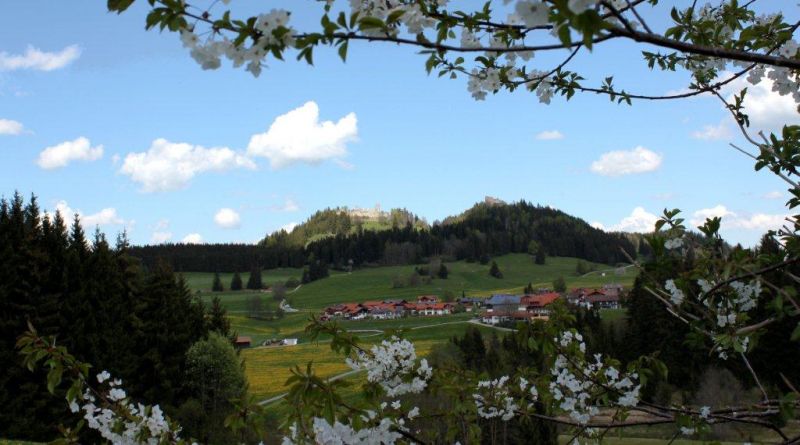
x=427 y=299
x=434 y=309
x=289 y=342
x=529 y=316
x=613 y=289
x=469 y=303
x=606 y=298
x=493 y=318
x=384 y=310
x=601 y=299
x=577 y=296
x=537 y=304
x=242 y=342
x=502 y=303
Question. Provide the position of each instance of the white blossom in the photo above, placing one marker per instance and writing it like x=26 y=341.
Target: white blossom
x=676 y=295
x=532 y=12
x=581 y=6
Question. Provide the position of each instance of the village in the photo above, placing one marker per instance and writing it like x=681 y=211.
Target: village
x=492 y=310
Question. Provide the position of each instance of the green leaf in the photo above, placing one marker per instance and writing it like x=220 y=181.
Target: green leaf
x=371 y=22
x=343 y=51
x=119 y=6
x=796 y=333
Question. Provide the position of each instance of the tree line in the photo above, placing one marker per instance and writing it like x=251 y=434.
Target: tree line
x=481 y=232
x=136 y=322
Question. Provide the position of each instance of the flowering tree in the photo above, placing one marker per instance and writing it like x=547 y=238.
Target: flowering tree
x=727 y=297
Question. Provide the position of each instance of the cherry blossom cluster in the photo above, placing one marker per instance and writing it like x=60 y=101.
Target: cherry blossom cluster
x=393 y=365
x=578 y=384
x=496 y=399
x=341 y=434
x=119 y=420
x=273 y=29
x=381 y=427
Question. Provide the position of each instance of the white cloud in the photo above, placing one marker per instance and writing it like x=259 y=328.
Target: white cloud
x=773 y=195
x=227 y=219
x=618 y=163
x=288 y=206
x=36 y=59
x=162 y=224
x=344 y=164
x=549 y=135
x=299 y=136
x=598 y=225
x=640 y=220
x=714 y=132
x=170 y=166
x=160 y=237
x=767 y=109
x=701 y=215
x=105 y=217
x=731 y=220
x=192 y=238
x=62 y=154
x=10 y=127
x=289 y=227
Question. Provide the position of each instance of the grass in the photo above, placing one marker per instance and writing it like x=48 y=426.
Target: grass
x=202 y=281
x=268 y=368
x=376 y=283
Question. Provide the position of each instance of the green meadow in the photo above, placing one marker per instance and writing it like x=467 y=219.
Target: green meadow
x=268 y=367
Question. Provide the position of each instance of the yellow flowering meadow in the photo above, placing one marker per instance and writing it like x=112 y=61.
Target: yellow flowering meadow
x=267 y=369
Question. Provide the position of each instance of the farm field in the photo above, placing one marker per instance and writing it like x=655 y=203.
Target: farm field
x=268 y=368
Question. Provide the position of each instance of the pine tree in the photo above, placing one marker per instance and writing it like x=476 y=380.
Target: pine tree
x=254 y=281
x=528 y=289
x=217 y=318
x=443 y=272
x=236 y=281
x=539 y=257
x=495 y=270
x=217 y=286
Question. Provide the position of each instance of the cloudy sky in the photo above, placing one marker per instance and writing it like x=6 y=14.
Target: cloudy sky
x=100 y=117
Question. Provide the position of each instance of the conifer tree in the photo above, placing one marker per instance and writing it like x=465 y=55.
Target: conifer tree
x=443 y=272
x=236 y=281
x=217 y=286
x=494 y=270
x=218 y=318
x=540 y=257
x=254 y=281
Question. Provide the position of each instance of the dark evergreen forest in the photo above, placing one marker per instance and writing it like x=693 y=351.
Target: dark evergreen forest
x=99 y=302
x=484 y=230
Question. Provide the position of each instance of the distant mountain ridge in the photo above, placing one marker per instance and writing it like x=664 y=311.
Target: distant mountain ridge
x=343 y=238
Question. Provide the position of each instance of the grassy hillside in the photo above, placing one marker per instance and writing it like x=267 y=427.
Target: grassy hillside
x=471 y=278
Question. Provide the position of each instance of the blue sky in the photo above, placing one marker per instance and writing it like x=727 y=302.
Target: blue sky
x=419 y=142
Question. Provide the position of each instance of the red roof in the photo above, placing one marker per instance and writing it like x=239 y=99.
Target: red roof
x=540 y=300
x=427 y=298
x=243 y=340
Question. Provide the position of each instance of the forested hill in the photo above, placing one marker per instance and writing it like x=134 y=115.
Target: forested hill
x=334 y=237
